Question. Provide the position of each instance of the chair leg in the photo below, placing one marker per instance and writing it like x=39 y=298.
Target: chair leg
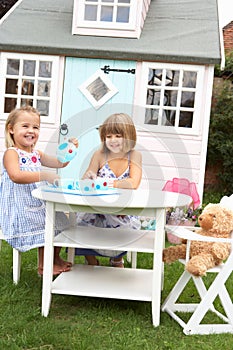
x=132 y=258
x=129 y=257
x=16 y=265
x=71 y=254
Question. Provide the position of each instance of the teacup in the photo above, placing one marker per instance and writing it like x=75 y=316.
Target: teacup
x=87 y=185
x=66 y=152
x=101 y=184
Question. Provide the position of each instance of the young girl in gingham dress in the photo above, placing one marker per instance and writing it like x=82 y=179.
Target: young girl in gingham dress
x=22 y=216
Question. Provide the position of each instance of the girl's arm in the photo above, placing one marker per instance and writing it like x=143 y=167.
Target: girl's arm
x=11 y=164
x=135 y=173
x=53 y=162
x=91 y=172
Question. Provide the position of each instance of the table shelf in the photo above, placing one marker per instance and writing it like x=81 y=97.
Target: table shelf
x=105 y=282
x=114 y=239
x=101 y=281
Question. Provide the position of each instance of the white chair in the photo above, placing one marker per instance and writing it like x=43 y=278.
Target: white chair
x=132 y=258
x=218 y=288
x=16 y=261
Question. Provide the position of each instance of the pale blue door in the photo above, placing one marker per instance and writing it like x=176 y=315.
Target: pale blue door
x=80 y=115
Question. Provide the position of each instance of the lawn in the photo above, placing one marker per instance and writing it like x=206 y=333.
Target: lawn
x=82 y=323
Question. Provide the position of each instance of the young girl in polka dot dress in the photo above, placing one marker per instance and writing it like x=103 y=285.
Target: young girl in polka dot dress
x=22 y=216
x=118 y=161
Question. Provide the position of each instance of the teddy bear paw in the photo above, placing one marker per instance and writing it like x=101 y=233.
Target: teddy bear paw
x=167 y=257
x=194 y=270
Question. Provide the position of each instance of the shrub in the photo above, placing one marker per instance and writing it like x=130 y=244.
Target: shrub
x=228 y=69
x=220 y=143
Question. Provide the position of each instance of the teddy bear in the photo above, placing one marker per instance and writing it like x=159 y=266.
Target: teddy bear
x=215 y=221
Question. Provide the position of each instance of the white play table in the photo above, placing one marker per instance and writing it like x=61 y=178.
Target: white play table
x=102 y=281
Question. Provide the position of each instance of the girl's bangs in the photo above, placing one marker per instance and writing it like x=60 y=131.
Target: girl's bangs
x=114 y=128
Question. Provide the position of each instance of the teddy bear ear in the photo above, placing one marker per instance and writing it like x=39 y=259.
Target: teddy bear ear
x=227 y=202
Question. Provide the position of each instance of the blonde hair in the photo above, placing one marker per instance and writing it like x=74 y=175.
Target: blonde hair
x=11 y=121
x=119 y=123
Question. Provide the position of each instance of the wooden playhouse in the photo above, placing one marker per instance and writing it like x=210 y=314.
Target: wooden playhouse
x=78 y=61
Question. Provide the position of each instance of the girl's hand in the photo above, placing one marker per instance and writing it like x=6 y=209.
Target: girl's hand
x=90 y=175
x=49 y=177
x=74 y=140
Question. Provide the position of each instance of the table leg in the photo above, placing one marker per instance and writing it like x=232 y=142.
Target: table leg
x=158 y=265
x=48 y=258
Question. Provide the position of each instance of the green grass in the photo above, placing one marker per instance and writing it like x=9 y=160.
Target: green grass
x=82 y=323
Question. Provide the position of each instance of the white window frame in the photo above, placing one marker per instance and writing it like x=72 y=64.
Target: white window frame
x=112 y=89
x=54 y=81
x=140 y=104
x=105 y=28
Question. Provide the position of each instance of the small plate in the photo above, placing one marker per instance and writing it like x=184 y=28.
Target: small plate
x=51 y=188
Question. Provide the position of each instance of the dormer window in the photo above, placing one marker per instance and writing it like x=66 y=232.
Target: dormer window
x=116 y=18
x=107 y=11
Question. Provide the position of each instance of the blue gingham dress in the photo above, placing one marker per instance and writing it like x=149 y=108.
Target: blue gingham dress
x=107 y=220
x=22 y=216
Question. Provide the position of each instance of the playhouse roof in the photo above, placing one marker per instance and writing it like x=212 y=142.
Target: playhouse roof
x=184 y=31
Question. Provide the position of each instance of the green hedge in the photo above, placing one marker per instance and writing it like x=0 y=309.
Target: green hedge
x=220 y=143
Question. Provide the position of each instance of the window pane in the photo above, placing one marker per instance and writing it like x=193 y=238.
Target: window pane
x=123 y=14
x=172 y=118
x=11 y=86
x=106 y=13
x=124 y=1
x=26 y=102
x=13 y=67
x=155 y=77
x=169 y=75
x=171 y=97
x=29 y=68
x=107 y=0
x=189 y=79
x=175 y=79
x=153 y=97
x=90 y=13
x=187 y=99
x=45 y=69
x=98 y=89
x=168 y=117
x=27 y=87
x=186 y=119
x=43 y=107
x=10 y=103
x=44 y=88
x=151 y=116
